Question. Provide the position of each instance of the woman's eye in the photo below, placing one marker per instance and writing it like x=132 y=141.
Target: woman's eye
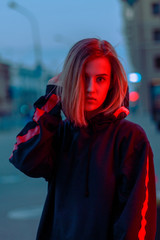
x=100 y=79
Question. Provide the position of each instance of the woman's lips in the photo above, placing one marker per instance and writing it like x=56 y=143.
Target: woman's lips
x=91 y=99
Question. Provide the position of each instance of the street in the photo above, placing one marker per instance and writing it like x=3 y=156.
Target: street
x=22 y=197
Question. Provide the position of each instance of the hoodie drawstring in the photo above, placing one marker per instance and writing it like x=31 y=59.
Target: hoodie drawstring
x=87 y=176
x=88 y=164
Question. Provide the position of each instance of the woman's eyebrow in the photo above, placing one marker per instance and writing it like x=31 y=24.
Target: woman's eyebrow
x=102 y=74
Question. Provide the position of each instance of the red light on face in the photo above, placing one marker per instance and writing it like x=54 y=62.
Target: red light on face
x=133 y=96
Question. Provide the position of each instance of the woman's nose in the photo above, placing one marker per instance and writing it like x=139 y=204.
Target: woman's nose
x=90 y=85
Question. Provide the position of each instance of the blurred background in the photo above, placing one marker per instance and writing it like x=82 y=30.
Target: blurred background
x=35 y=37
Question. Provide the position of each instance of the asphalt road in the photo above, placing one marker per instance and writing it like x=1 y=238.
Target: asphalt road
x=21 y=197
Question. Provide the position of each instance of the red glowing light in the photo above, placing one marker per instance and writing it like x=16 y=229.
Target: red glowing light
x=133 y=96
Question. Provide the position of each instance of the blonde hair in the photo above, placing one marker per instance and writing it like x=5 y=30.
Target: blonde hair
x=73 y=92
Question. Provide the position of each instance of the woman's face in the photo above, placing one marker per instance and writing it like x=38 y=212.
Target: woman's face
x=97 y=79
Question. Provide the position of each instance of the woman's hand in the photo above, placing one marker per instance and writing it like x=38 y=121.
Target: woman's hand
x=55 y=80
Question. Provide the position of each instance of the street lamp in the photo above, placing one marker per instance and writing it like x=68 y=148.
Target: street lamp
x=34 y=28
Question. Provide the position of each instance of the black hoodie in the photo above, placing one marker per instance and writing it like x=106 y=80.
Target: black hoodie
x=101 y=180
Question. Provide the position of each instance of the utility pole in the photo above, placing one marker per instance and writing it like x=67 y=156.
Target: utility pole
x=34 y=28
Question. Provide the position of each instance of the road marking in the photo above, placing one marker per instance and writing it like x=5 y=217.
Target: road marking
x=25 y=214
x=9 y=179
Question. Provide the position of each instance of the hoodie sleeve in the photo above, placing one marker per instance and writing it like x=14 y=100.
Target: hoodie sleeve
x=136 y=194
x=36 y=147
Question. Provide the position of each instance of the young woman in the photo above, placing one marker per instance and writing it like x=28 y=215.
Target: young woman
x=99 y=166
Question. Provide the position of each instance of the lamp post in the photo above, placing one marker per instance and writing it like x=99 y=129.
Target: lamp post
x=34 y=28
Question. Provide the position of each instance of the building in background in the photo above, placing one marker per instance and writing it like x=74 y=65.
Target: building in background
x=5 y=95
x=27 y=85
x=142 y=31
x=20 y=88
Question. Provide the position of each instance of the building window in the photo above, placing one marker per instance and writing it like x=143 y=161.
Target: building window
x=156 y=35
x=157 y=62
x=156 y=8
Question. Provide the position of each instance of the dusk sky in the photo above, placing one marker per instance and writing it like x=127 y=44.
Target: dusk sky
x=61 y=23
